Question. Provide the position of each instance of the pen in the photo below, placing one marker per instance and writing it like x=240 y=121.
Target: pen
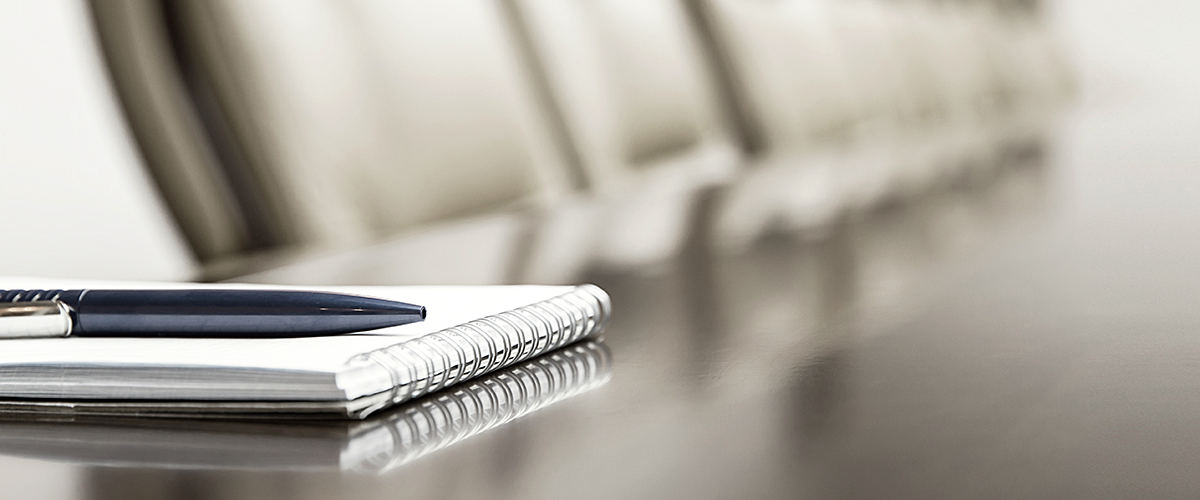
x=195 y=313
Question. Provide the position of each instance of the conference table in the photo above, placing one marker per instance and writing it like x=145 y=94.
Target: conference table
x=1028 y=331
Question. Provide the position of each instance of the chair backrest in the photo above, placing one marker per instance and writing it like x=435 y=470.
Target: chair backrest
x=349 y=121
x=631 y=82
x=170 y=132
x=373 y=116
x=787 y=69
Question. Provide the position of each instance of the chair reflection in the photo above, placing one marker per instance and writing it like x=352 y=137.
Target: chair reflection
x=788 y=298
x=719 y=338
x=762 y=344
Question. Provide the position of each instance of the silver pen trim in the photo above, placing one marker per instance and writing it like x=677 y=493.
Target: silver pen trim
x=34 y=320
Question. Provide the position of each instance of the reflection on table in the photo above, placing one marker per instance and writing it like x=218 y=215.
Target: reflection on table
x=732 y=358
x=373 y=446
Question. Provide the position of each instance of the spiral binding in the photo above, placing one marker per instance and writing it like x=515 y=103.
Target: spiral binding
x=29 y=295
x=447 y=418
x=432 y=362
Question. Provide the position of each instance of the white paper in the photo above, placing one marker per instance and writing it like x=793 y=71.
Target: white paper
x=295 y=369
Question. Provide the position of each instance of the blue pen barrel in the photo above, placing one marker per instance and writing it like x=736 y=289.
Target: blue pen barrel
x=231 y=313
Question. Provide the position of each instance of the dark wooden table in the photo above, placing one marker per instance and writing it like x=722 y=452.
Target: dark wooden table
x=1026 y=333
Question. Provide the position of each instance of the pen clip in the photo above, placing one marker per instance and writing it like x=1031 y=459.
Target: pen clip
x=35 y=319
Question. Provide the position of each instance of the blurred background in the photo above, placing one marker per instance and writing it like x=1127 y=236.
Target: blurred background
x=914 y=248
x=493 y=141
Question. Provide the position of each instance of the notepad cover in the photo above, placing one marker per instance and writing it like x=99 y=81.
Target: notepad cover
x=469 y=331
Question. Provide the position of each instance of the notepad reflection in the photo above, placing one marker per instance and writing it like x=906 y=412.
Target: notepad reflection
x=373 y=446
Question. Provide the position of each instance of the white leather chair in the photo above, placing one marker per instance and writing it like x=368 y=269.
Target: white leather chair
x=376 y=116
x=357 y=122
x=635 y=94
x=790 y=76
x=858 y=101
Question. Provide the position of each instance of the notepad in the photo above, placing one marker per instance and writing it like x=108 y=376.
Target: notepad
x=469 y=331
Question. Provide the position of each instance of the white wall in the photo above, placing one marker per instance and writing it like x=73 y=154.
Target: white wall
x=74 y=198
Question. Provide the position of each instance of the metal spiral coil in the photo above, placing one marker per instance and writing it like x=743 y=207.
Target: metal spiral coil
x=448 y=417
x=427 y=364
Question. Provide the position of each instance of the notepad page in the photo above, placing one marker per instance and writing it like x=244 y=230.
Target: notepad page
x=188 y=368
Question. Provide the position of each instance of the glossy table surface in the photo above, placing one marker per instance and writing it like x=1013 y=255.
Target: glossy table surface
x=1031 y=332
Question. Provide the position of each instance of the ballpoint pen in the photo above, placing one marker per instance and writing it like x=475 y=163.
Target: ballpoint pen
x=195 y=313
